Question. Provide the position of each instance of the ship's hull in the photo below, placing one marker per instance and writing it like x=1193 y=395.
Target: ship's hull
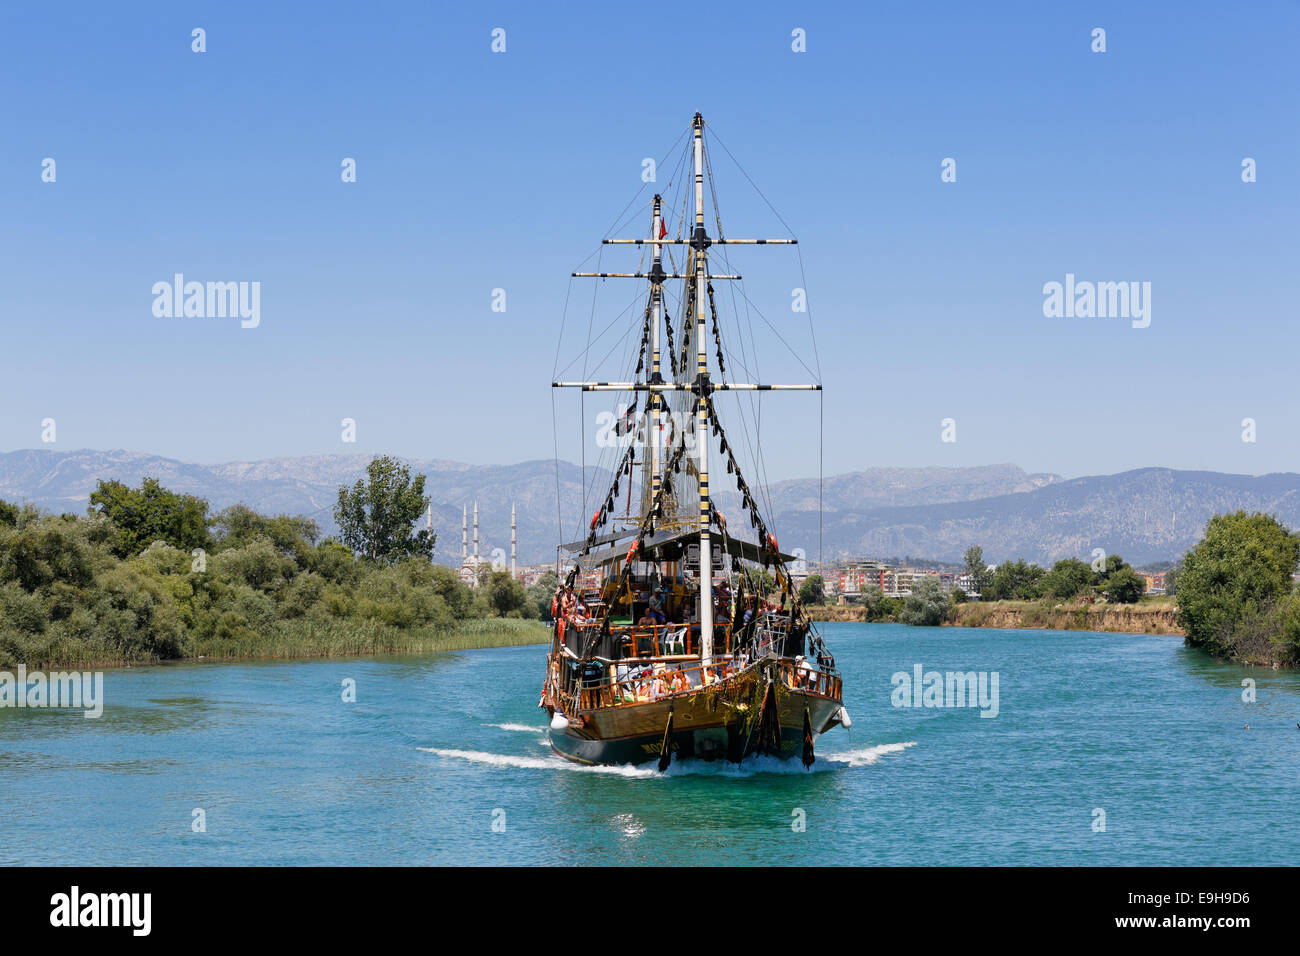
x=706 y=725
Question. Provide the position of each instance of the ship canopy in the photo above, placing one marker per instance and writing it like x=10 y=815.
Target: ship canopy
x=670 y=546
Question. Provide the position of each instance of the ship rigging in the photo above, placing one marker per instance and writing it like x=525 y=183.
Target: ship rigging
x=674 y=636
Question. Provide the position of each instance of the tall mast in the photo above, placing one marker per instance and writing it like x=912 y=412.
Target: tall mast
x=656 y=400
x=696 y=299
x=700 y=243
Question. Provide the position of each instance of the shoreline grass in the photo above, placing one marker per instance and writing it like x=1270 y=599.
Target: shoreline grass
x=288 y=640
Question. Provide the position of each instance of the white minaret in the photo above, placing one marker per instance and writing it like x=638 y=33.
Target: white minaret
x=513 y=539
x=476 y=532
x=464 y=535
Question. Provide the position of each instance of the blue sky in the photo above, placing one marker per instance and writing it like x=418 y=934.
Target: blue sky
x=478 y=171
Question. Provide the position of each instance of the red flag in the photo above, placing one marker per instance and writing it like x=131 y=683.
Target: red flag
x=663 y=228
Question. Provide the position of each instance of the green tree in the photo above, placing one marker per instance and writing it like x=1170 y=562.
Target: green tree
x=813 y=590
x=761 y=581
x=506 y=596
x=1236 y=573
x=542 y=592
x=927 y=605
x=377 y=515
x=879 y=606
x=1020 y=581
x=1124 y=586
x=1068 y=578
x=151 y=513
x=291 y=535
x=1171 y=579
x=1112 y=564
x=977 y=569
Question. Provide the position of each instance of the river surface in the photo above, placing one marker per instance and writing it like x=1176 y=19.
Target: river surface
x=1106 y=749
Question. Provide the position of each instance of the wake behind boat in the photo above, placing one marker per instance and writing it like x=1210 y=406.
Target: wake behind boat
x=672 y=635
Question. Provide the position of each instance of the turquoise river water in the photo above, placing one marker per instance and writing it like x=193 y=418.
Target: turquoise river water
x=442 y=760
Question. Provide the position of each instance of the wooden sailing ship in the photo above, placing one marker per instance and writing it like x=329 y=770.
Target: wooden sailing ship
x=672 y=636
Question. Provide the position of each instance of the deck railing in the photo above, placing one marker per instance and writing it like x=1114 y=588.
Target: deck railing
x=673 y=679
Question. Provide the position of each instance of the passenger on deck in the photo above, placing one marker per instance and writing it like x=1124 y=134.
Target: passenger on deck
x=657 y=602
x=659 y=686
x=722 y=602
x=647 y=619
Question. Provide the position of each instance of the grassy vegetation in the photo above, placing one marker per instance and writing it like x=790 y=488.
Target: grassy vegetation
x=286 y=639
x=1155 y=616
x=83 y=591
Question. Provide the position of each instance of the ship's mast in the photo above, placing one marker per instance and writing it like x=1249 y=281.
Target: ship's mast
x=700 y=244
x=700 y=386
x=656 y=400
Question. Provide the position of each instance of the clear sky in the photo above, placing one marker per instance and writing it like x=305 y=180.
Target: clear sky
x=479 y=170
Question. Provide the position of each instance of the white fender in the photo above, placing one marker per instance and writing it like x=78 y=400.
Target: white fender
x=559 y=721
x=845 y=721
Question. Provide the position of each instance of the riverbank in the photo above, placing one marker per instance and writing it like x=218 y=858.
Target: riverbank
x=1142 y=618
x=297 y=639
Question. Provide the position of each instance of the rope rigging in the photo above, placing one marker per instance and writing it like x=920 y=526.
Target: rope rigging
x=681 y=359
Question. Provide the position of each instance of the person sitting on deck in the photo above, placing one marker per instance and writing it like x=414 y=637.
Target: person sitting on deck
x=656 y=608
x=647 y=619
x=722 y=602
x=660 y=686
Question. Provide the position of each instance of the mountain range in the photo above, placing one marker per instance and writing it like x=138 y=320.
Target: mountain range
x=1146 y=515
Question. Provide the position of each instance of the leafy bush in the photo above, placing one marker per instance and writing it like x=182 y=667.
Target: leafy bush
x=927 y=605
x=1234 y=589
x=122 y=583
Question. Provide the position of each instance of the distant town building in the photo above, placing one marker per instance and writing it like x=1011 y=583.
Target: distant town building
x=1155 y=582
x=853 y=578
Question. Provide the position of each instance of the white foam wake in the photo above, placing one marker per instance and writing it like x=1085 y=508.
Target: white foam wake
x=825 y=763
x=520 y=728
x=538 y=763
x=850 y=759
x=866 y=756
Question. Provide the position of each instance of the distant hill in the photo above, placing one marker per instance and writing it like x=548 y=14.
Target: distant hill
x=1147 y=515
x=63 y=481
